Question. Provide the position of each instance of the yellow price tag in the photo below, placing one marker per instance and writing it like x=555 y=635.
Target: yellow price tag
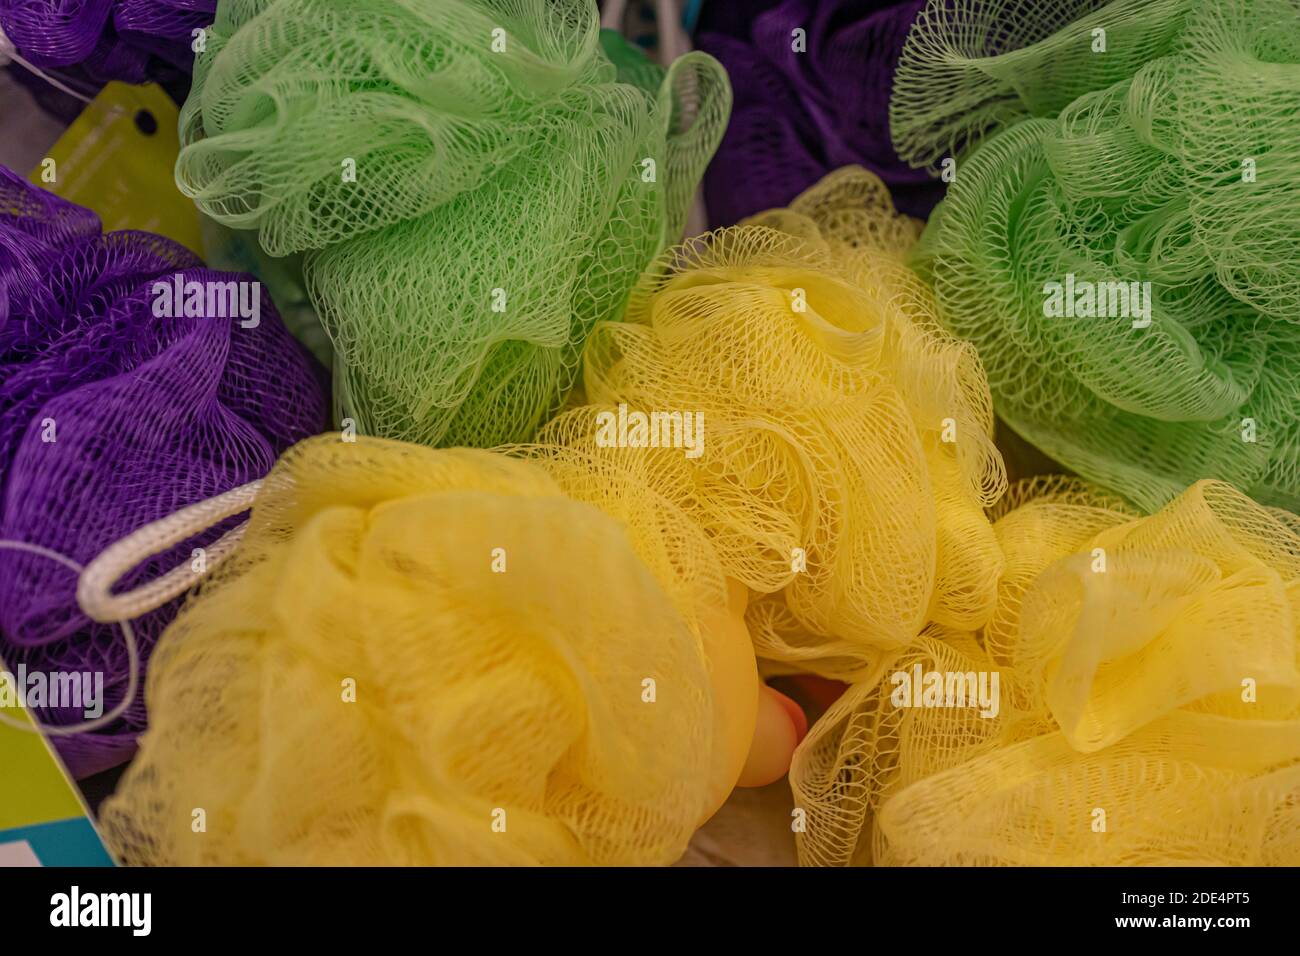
x=118 y=157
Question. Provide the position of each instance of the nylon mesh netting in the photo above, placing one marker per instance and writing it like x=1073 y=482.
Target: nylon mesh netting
x=112 y=417
x=485 y=693
x=824 y=430
x=109 y=39
x=812 y=80
x=842 y=458
x=501 y=204
x=1169 y=158
x=1127 y=648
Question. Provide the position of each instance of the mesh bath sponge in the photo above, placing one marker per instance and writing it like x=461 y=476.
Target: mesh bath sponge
x=1147 y=710
x=108 y=39
x=1120 y=240
x=797 y=399
x=424 y=656
x=471 y=181
x=812 y=82
x=112 y=416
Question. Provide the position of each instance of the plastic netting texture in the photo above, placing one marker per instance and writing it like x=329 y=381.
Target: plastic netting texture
x=111 y=417
x=1120 y=240
x=425 y=656
x=108 y=39
x=812 y=80
x=1147 y=709
x=786 y=383
x=474 y=185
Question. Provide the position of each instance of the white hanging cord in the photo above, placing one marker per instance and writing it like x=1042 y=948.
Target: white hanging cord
x=10 y=52
x=96 y=580
x=95 y=589
x=132 y=660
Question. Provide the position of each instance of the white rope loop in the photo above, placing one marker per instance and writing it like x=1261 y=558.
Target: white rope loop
x=95 y=583
x=95 y=586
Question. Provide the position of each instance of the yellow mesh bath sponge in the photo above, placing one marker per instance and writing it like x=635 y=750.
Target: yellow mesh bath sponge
x=786 y=384
x=423 y=656
x=1145 y=710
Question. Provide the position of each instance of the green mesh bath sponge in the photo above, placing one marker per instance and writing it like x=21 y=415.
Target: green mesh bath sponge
x=473 y=182
x=1121 y=239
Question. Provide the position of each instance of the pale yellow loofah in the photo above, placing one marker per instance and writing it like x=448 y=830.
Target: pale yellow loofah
x=424 y=656
x=1149 y=707
x=843 y=459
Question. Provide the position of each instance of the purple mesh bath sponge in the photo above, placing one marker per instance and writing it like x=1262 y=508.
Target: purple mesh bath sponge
x=133 y=382
x=108 y=39
x=812 y=81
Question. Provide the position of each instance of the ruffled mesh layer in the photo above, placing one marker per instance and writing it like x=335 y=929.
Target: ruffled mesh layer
x=1168 y=159
x=109 y=39
x=112 y=417
x=424 y=656
x=1149 y=705
x=807 y=104
x=829 y=437
x=513 y=680
x=474 y=182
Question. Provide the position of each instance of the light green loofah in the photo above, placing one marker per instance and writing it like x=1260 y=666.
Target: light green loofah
x=1154 y=142
x=503 y=200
